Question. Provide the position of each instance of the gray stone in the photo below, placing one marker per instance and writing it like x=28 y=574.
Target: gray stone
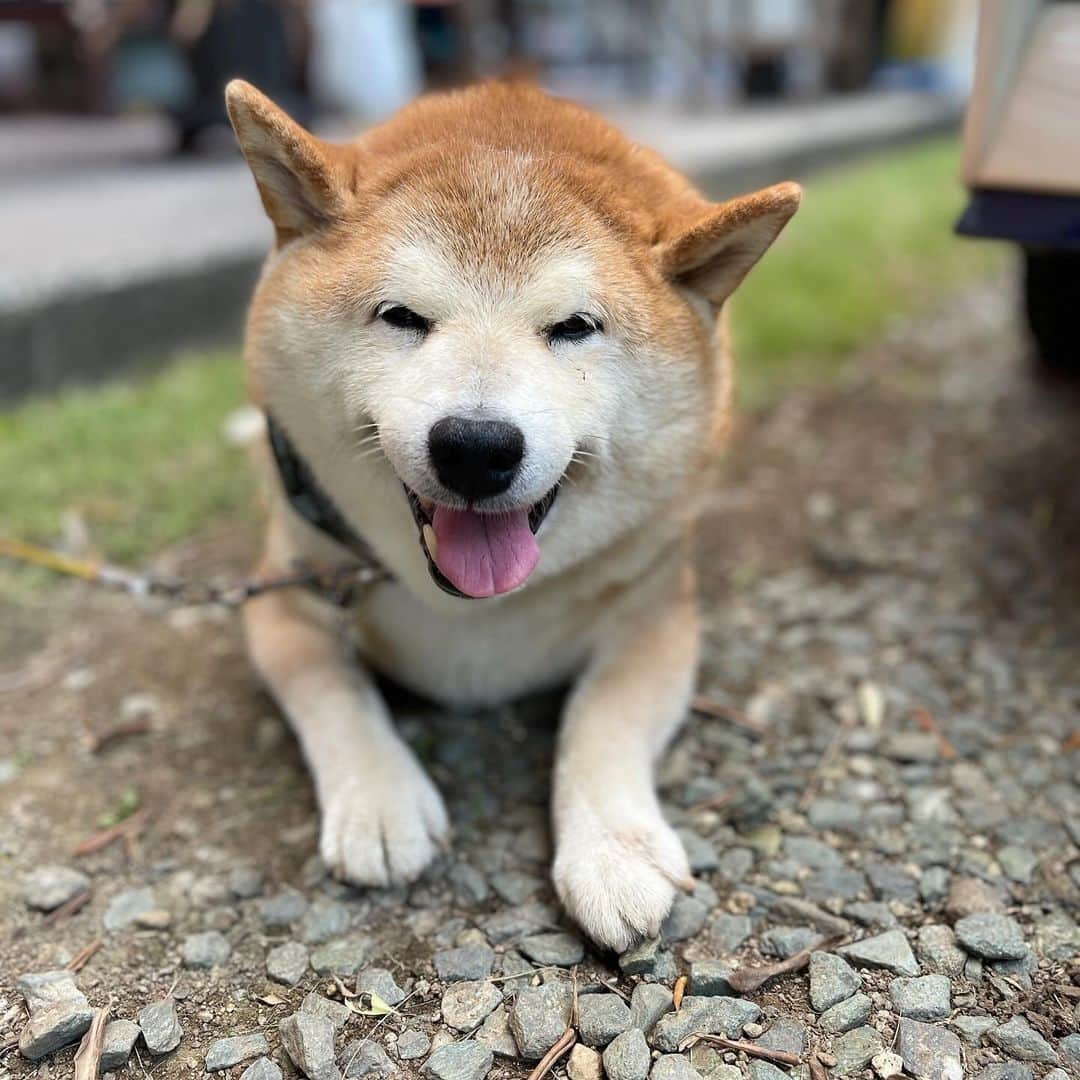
x=992 y=936
x=641 y=958
x=938 y=952
x=539 y=1016
x=832 y=980
x=466 y=964
x=465 y=1060
x=556 y=948
x=809 y=851
x=700 y=853
x=923 y=998
x=1006 y=1070
x=934 y=885
x=245 y=882
x=673 y=1067
x=890 y=881
x=325 y=919
x=1021 y=1040
x=627 y=1057
x=125 y=907
x=930 y=1051
x=47 y=887
x=601 y=1017
x=887 y=1064
x=1019 y=863
x=283 y=908
x=515 y=970
x=838 y=883
x=515 y=886
x=205 y=950
x=366 y=1057
x=465 y=1004
x=686 y=918
x=838 y=815
x=1070 y=1051
x=889 y=950
x=730 y=931
x=53 y=1026
x=710 y=1063
x=648 y=1002
x=160 y=1026
x=973 y=1028
x=308 y=1039
x=785 y=941
x=468 y=883
x=412 y=1044
x=334 y=1011
x=871 y=913
x=287 y=963
x=40 y=989
x=711 y=1015
x=854 y=1049
x=379 y=981
x=225 y=1053
x=496 y=1035
x=263 y=1069
x=765 y=1070
x=116 y=1046
x=709 y=978
x=845 y=1015
x=342 y=958
x=785 y=1034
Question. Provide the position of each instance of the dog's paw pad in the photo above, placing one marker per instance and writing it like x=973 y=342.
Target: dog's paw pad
x=619 y=885
x=383 y=830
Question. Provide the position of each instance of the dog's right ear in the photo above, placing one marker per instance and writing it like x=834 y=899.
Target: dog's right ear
x=298 y=180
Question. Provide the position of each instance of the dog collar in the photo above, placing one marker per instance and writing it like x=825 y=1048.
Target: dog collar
x=307 y=497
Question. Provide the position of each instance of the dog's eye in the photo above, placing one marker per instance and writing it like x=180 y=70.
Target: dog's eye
x=577 y=328
x=403 y=318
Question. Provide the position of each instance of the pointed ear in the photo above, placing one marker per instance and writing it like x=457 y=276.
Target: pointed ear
x=299 y=182
x=714 y=254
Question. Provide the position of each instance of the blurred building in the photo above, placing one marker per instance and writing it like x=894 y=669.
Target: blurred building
x=365 y=57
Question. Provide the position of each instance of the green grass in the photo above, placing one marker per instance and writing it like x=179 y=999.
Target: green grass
x=144 y=463
x=871 y=242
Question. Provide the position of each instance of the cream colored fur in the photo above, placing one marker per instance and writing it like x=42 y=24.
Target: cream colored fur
x=495 y=213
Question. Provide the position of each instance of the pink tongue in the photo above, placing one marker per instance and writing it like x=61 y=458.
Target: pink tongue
x=484 y=554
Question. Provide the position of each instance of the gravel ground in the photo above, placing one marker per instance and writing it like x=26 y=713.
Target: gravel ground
x=889 y=781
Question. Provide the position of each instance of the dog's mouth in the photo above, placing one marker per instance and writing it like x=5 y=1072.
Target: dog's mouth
x=474 y=554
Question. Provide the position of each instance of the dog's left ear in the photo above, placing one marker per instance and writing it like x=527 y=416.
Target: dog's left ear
x=717 y=251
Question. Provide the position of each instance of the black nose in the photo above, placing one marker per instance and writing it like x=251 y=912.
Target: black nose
x=475 y=458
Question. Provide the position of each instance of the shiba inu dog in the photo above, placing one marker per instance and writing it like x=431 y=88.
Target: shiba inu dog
x=490 y=343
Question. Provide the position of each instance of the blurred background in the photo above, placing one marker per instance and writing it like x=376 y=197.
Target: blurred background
x=132 y=233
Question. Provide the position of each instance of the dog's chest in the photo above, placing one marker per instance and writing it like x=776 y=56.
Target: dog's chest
x=483 y=657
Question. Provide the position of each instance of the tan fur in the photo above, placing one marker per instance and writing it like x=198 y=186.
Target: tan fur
x=497 y=211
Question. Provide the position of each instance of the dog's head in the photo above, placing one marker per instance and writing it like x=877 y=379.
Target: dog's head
x=501 y=309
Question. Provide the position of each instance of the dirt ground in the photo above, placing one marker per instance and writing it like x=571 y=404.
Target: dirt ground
x=897 y=556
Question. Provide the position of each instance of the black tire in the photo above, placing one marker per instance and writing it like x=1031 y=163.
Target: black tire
x=1052 y=303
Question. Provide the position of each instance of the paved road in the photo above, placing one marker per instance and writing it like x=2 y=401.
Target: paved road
x=116 y=245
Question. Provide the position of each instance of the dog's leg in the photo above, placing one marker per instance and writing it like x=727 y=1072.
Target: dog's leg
x=382 y=818
x=617 y=862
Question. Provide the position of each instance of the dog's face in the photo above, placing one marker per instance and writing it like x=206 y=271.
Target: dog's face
x=521 y=337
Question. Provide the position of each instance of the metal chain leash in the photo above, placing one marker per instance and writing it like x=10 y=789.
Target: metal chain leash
x=340 y=585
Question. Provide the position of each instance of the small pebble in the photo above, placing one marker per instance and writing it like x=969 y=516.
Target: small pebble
x=287 y=963
x=48 y=887
x=160 y=1026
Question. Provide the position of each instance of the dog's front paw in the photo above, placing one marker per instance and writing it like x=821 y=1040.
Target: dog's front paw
x=617 y=875
x=384 y=824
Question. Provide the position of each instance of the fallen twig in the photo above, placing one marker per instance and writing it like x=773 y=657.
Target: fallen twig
x=67 y=909
x=126 y=828
x=747 y=979
x=713 y=802
x=88 y=1056
x=707 y=707
x=1067 y=989
x=82 y=957
x=678 y=991
x=925 y=719
x=566 y=1041
x=781 y=1057
x=817 y=1068
x=95 y=742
